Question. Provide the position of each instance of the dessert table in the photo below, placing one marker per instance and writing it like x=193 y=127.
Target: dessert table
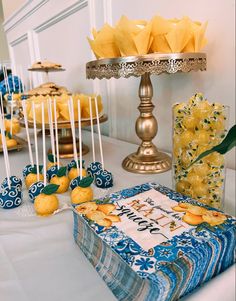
x=39 y=259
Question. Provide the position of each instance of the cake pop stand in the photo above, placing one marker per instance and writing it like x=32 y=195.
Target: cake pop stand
x=147 y=159
x=65 y=135
x=46 y=71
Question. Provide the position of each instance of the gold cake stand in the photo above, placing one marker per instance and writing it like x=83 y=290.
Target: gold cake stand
x=65 y=135
x=147 y=159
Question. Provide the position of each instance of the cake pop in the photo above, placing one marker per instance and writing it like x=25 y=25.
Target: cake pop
x=51 y=157
x=46 y=202
x=61 y=180
x=102 y=177
x=15 y=182
x=83 y=192
x=35 y=189
x=10 y=196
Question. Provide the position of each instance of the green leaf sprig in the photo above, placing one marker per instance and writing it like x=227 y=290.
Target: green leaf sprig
x=50 y=189
x=226 y=145
x=34 y=169
x=52 y=158
x=62 y=171
x=86 y=182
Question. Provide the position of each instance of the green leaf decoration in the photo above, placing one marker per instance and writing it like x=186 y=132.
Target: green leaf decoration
x=62 y=171
x=74 y=164
x=226 y=145
x=8 y=116
x=34 y=169
x=103 y=201
x=50 y=189
x=8 y=134
x=51 y=158
x=86 y=182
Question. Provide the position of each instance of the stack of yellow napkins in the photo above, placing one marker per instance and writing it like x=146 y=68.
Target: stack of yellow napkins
x=139 y=37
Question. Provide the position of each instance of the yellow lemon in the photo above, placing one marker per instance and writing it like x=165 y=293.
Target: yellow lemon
x=190 y=122
x=182 y=186
x=73 y=173
x=186 y=138
x=81 y=195
x=200 y=190
x=31 y=178
x=45 y=204
x=11 y=142
x=63 y=183
x=194 y=179
x=201 y=169
x=15 y=126
x=51 y=164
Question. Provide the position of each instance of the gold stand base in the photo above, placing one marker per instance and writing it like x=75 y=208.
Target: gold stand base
x=135 y=163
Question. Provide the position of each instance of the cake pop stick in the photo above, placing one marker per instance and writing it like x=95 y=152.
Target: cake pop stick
x=80 y=140
x=91 y=124
x=22 y=79
x=72 y=123
x=44 y=147
x=51 y=128
x=56 y=130
x=11 y=113
x=13 y=82
x=6 y=78
x=36 y=141
x=18 y=78
x=99 y=132
x=27 y=133
x=2 y=108
x=4 y=145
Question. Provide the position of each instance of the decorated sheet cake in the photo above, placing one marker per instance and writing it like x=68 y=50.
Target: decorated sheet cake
x=151 y=243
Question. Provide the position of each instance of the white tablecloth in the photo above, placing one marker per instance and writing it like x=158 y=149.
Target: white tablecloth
x=40 y=261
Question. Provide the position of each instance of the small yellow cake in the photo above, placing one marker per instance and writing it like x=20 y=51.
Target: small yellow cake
x=45 y=205
x=81 y=195
x=63 y=183
x=32 y=178
x=73 y=173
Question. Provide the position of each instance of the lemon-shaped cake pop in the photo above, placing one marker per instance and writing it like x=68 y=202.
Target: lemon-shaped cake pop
x=32 y=177
x=83 y=192
x=46 y=202
x=61 y=180
x=52 y=161
x=73 y=172
x=15 y=125
x=11 y=143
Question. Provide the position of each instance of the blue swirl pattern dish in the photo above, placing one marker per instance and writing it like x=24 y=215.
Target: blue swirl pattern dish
x=10 y=198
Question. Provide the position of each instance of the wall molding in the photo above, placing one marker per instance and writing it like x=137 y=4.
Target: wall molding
x=61 y=15
x=19 y=40
x=23 y=13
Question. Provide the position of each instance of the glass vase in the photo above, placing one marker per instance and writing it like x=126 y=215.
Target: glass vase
x=198 y=126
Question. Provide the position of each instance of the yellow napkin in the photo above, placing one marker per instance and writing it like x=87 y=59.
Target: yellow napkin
x=197 y=40
x=179 y=35
x=133 y=38
x=85 y=108
x=104 y=44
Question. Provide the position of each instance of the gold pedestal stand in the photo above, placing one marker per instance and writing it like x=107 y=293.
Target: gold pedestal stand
x=147 y=159
x=65 y=135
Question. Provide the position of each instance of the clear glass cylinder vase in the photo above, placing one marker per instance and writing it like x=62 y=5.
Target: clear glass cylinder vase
x=198 y=126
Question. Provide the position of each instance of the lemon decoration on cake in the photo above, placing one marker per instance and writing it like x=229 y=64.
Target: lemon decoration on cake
x=83 y=192
x=15 y=124
x=47 y=202
x=32 y=177
x=61 y=180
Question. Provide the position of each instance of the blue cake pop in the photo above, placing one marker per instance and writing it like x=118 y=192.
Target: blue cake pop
x=14 y=182
x=10 y=197
x=52 y=172
x=72 y=164
x=74 y=183
x=35 y=189
x=93 y=168
x=103 y=179
x=27 y=170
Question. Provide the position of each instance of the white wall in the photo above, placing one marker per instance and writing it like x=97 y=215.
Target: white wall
x=57 y=30
x=10 y=6
x=3 y=42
